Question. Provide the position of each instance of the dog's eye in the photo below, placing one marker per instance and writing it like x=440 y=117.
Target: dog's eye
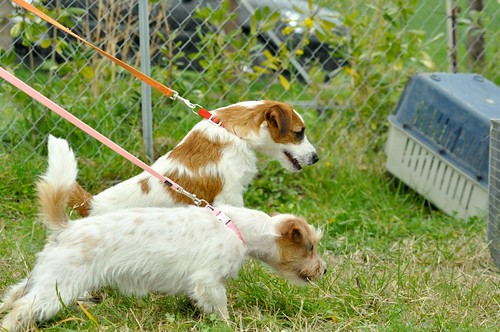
x=300 y=134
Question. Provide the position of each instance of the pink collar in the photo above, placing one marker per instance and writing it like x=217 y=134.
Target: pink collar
x=226 y=220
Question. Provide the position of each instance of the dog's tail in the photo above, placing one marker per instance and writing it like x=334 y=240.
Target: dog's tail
x=56 y=185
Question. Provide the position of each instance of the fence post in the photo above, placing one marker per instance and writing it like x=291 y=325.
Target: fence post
x=451 y=19
x=147 y=114
x=6 y=41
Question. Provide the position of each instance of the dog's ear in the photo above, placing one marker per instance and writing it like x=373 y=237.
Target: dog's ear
x=293 y=230
x=279 y=119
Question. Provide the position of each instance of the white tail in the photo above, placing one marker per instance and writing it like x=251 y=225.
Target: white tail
x=55 y=186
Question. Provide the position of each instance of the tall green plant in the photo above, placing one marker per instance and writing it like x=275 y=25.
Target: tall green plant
x=31 y=31
x=233 y=60
x=381 y=52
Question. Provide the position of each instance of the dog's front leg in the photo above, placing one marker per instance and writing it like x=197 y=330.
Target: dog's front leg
x=211 y=298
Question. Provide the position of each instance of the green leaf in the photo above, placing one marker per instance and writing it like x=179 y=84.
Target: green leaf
x=270 y=21
x=260 y=70
x=7 y=58
x=6 y=87
x=88 y=73
x=29 y=34
x=322 y=37
x=59 y=47
x=46 y=43
x=427 y=61
x=16 y=30
x=76 y=11
x=284 y=82
x=268 y=54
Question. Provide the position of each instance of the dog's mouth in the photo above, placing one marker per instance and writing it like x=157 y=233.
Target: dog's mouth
x=295 y=163
x=308 y=277
x=305 y=278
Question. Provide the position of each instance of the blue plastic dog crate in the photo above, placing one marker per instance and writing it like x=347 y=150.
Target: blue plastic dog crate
x=438 y=141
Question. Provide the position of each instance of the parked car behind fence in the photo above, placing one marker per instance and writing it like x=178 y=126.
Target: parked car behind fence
x=113 y=25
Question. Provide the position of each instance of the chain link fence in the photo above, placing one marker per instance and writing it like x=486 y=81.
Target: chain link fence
x=342 y=64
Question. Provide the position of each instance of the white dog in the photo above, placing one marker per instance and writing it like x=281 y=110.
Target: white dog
x=173 y=250
x=214 y=163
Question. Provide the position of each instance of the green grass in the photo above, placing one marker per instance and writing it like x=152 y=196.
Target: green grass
x=395 y=263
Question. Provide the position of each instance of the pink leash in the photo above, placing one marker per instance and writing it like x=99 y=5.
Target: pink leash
x=113 y=146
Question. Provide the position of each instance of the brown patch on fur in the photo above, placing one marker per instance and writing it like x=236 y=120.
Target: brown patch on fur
x=138 y=222
x=80 y=200
x=197 y=151
x=88 y=243
x=145 y=187
x=205 y=187
x=283 y=123
x=297 y=245
x=53 y=205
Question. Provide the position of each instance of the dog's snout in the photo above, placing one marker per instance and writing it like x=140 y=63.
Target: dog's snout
x=325 y=270
x=314 y=158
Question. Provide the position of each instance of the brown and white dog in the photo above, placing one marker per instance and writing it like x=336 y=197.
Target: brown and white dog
x=214 y=163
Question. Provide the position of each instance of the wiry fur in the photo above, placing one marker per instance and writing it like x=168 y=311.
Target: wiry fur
x=217 y=164
x=57 y=183
x=177 y=250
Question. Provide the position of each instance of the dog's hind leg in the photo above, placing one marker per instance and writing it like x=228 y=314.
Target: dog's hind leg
x=36 y=305
x=20 y=317
x=43 y=297
x=14 y=293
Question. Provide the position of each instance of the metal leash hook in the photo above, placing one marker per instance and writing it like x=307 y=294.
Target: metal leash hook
x=197 y=201
x=186 y=102
x=174 y=95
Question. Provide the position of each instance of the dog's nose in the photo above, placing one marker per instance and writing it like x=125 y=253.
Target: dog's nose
x=325 y=270
x=314 y=158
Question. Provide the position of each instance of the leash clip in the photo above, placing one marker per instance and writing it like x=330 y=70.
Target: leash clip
x=187 y=103
x=197 y=201
x=174 y=95
x=218 y=214
x=225 y=220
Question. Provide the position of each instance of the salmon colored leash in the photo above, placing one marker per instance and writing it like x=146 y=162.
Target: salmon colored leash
x=138 y=74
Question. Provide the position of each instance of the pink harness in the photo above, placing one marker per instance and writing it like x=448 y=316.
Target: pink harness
x=118 y=149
